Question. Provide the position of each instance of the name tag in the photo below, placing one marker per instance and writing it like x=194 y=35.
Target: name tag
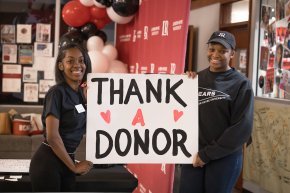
x=80 y=108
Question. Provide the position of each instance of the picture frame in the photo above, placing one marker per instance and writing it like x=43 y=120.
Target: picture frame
x=7 y=34
x=43 y=49
x=9 y=53
x=25 y=54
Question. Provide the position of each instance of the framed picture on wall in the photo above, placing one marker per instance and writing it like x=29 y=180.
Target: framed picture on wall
x=25 y=54
x=11 y=81
x=7 y=34
x=43 y=32
x=241 y=61
x=24 y=33
x=43 y=49
x=30 y=92
x=9 y=53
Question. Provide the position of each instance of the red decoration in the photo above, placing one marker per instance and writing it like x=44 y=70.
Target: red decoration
x=75 y=14
x=97 y=12
x=100 y=23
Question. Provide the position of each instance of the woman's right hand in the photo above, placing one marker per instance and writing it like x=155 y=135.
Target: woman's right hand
x=83 y=167
x=191 y=74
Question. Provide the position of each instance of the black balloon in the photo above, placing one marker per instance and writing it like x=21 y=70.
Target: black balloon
x=102 y=35
x=106 y=3
x=72 y=37
x=125 y=8
x=70 y=29
x=89 y=30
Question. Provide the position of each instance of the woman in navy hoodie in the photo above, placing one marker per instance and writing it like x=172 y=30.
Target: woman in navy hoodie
x=225 y=121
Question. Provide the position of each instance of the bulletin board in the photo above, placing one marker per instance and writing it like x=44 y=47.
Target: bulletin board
x=273 y=78
x=27 y=50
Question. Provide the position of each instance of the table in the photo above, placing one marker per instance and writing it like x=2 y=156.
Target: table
x=112 y=179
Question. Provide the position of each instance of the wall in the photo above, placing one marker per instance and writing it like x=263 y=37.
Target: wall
x=206 y=24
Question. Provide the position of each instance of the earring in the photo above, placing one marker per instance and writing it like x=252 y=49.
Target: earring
x=60 y=66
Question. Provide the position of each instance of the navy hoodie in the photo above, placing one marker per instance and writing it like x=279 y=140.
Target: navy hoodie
x=225 y=113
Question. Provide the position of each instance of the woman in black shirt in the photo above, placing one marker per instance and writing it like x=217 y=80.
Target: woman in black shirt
x=53 y=167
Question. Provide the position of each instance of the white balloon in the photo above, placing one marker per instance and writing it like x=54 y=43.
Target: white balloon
x=116 y=66
x=110 y=51
x=100 y=62
x=99 y=4
x=95 y=43
x=117 y=18
x=87 y=3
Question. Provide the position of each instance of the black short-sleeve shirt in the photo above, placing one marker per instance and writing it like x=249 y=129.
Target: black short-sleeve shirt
x=60 y=101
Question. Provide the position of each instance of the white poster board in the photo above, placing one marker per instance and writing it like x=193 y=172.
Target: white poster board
x=141 y=118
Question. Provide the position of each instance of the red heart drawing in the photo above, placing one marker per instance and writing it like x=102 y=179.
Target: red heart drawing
x=177 y=114
x=106 y=116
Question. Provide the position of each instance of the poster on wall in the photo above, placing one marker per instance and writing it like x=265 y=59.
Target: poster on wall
x=24 y=33
x=11 y=78
x=25 y=54
x=43 y=49
x=265 y=16
x=161 y=122
x=286 y=59
x=279 y=56
x=270 y=79
x=43 y=32
x=284 y=85
x=29 y=74
x=9 y=53
x=30 y=92
x=264 y=57
x=44 y=86
x=7 y=34
x=45 y=64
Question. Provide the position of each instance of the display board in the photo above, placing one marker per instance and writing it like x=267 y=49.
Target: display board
x=273 y=79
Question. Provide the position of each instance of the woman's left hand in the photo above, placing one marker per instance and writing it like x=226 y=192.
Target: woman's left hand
x=83 y=167
x=198 y=162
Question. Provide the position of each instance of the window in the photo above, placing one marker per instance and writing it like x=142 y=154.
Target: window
x=234 y=12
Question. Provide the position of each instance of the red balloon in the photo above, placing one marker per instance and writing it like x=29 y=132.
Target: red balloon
x=97 y=12
x=101 y=23
x=75 y=14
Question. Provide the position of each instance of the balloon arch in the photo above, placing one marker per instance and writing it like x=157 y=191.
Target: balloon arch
x=86 y=19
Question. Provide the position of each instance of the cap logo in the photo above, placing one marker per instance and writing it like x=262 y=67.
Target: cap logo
x=223 y=35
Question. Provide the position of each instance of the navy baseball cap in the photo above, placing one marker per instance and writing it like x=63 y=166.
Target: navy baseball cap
x=224 y=38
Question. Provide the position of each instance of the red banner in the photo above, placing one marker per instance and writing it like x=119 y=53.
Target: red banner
x=153 y=178
x=155 y=42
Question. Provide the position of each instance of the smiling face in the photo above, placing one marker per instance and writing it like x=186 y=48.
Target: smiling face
x=73 y=67
x=219 y=57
